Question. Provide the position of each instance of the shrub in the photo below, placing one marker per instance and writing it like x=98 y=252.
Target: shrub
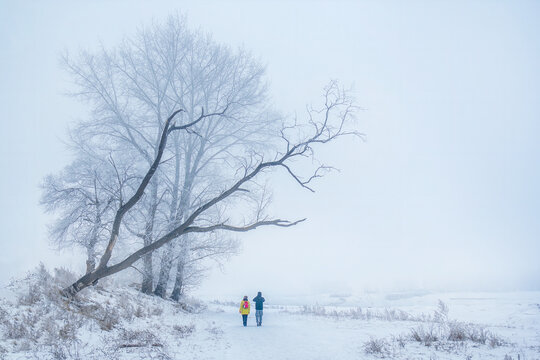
x=108 y=318
x=496 y=341
x=64 y=350
x=69 y=328
x=40 y=285
x=3 y=314
x=425 y=336
x=126 y=310
x=190 y=305
x=478 y=335
x=50 y=330
x=22 y=345
x=457 y=331
x=400 y=340
x=358 y=313
x=441 y=314
x=377 y=347
x=184 y=330
x=452 y=335
x=138 y=338
x=139 y=312
x=157 y=311
x=314 y=310
x=15 y=329
x=64 y=277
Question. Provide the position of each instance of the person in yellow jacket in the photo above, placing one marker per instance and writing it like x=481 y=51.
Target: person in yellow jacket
x=245 y=306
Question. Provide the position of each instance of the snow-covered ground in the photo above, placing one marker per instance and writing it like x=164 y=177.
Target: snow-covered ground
x=108 y=322
x=330 y=332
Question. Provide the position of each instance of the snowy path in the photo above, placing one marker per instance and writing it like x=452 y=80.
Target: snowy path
x=284 y=336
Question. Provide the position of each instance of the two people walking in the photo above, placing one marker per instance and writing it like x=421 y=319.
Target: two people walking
x=245 y=308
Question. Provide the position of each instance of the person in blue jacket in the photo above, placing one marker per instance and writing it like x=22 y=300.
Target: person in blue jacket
x=258 y=300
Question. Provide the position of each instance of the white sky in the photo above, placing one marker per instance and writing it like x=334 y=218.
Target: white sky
x=443 y=195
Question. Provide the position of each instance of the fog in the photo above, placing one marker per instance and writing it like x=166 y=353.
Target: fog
x=443 y=193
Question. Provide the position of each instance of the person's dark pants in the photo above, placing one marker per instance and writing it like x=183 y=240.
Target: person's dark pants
x=244 y=319
x=258 y=317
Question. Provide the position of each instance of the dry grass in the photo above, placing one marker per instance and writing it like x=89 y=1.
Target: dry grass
x=184 y=331
x=41 y=321
x=438 y=332
x=378 y=347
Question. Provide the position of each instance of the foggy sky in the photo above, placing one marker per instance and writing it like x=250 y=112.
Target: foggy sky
x=442 y=195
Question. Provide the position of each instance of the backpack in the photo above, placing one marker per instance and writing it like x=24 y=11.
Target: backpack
x=246 y=304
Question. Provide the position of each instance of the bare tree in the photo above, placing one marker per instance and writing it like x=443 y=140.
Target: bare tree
x=163 y=68
x=323 y=125
x=180 y=178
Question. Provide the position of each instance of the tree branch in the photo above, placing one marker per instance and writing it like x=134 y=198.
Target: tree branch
x=223 y=226
x=138 y=194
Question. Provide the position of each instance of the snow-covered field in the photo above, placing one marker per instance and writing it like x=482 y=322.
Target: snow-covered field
x=331 y=332
x=125 y=324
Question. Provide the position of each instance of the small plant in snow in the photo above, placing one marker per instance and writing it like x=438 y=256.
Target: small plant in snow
x=139 y=312
x=478 y=334
x=145 y=343
x=157 y=311
x=457 y=331
x=223 y=303
x=64 y=350
x=496 y=341
x=3 y=314
x=400 y=340
x=424 y=335
x=377 y=347
x=441 y=314
x=214 y=330
x=15 y=329
x=314 y=310
x=190 y=305
x=138 y=338
x=34 y=287
x=184 y=330
x=23 y=345
x=108 y=317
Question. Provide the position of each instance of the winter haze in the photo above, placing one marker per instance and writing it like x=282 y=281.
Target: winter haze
x=442 y=195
